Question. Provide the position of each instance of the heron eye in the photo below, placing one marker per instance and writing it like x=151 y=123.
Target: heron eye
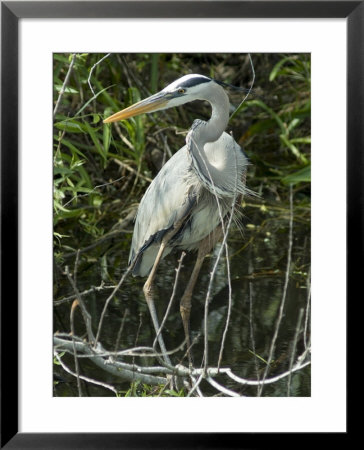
x=181 y=91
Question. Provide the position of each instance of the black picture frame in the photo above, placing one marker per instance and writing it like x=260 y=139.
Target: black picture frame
x=11 y=12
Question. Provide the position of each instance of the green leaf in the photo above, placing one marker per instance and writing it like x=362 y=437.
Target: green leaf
x=93 y=98
x=68 y=89
x=302 y=175
x=73 y=148
x=95 y=118
x=270 y=111
x=277 y=68
x=106 y=137
x=62 y=171
x=302 y=140
x=71 y=126
x=293 y=148
x=293 y=124
x=95 y=139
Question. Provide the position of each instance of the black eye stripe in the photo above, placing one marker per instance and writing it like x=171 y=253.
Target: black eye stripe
x=194 y=81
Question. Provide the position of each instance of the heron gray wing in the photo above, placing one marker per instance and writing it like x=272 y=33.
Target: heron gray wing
x=168 y=199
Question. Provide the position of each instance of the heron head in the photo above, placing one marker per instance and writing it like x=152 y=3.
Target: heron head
x=185 y=89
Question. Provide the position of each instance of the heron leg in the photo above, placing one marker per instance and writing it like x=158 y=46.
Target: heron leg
x=185 y=305
x=148 y=293
x=148 y=286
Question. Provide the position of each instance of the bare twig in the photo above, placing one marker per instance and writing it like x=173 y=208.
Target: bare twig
x=75 y=269
x=228 y=266
x=92 y=191
x=132 y=372
x=122 y=137
x=293 y=351
x=65 y=83
x=178 y=269
x=82 y=294
x=77 y=366
x=133 y=171
x=124 y=223
x=196 y=384
x=252 y=330
x=117 y=287
x=308 y=307
x=85 y=313
x=250 y=89
x=284 y=294
x=126 y=313
x=92 y=69
x=87 y=379
x=271 y=380
x=223 y=246
x=222 y=389
x=225 y=230
x=126 y=374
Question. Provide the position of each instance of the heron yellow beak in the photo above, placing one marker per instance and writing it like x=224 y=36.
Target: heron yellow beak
x=150 y=104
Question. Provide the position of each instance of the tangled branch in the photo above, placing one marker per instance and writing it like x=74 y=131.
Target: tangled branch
x=146 y=374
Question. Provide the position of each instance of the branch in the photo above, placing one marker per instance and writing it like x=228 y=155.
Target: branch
x=133 y=372
x=86 y=315
x=284 y=295
x=89 y=380
x=117 y=287
x=183 y=254
x=92 y=69
x=128 y=374
x=63 y=88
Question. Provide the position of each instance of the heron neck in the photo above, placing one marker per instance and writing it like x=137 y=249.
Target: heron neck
x=201 y=133
x=219 y=119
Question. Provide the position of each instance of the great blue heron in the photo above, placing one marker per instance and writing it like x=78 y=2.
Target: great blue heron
x=194 y=191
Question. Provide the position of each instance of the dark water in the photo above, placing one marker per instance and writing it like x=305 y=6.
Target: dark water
x=258 y=262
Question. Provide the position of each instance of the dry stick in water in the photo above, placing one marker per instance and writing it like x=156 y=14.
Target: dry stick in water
x=208 y=295
x=251 y=323
x=87 y=379
x=77 y=366
x=308 y=307
x=246 y=382
x=75 y=269
x=126 y=313
x=284 y=295
x=293 y=351
x=83 y=293
x=222 y=389
x=196 y=384
x=124 y=371
x=228 y=272
x=117 y=287
x=183 y=254
x=137 y=335
x=63 y=88
x=131 y=372
x=85 y=313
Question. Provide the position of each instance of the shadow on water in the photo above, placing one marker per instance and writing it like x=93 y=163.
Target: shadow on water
x=257 y=284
